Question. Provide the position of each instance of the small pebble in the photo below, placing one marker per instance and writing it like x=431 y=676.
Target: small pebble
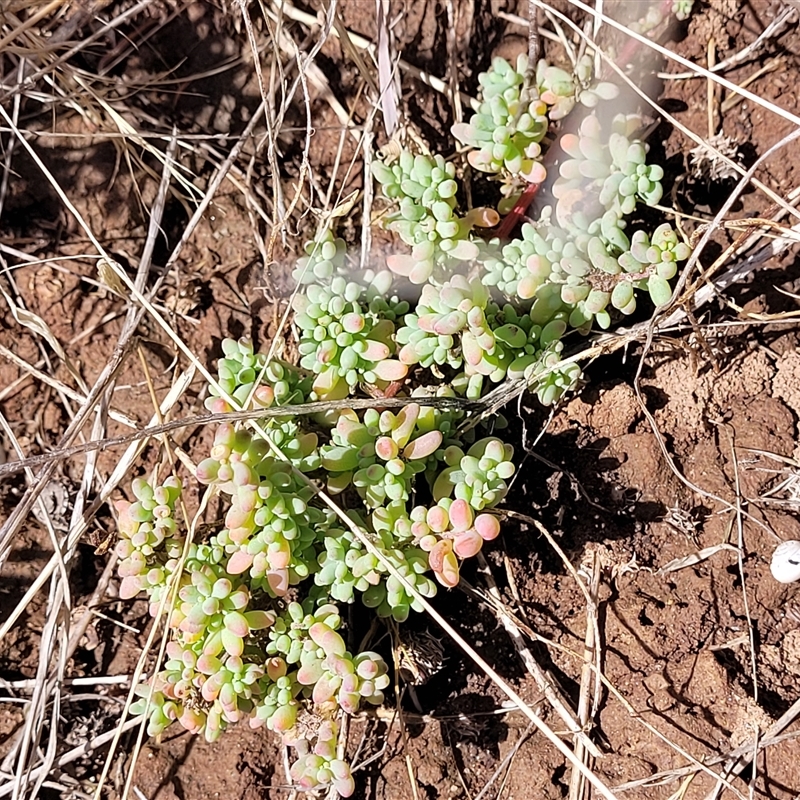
x=785 y=566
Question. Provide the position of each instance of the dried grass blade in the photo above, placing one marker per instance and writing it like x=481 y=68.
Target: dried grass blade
x=35 y=324
x=386 y=73
x=560 y=706
x=672 y=56
x=30 y=22
x=695 y=558
x=591 y=654
x=120 y=471
x=352 y=51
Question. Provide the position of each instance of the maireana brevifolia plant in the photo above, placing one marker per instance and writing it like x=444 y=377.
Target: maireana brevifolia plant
x=255 y=610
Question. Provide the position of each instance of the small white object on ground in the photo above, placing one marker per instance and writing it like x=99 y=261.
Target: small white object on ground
x=785 y=564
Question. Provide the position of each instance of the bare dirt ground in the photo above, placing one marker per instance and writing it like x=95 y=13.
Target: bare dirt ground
x=698 y=660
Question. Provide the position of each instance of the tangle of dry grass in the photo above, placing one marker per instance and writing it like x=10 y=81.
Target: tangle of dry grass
x=40 y=45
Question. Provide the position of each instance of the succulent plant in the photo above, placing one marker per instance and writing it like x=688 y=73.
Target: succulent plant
x=591 y=93
x=329 y=672
x=478 y=476
x=380 y=455
x=432 y=335
x=426 y=220
x=561 y=90
x=254 y=631
x=214 y=610
x=586 y=255
x=388 y=596
x=231 y=684
x=161 y=710
x=253 y=380
x=550 y=379
x=450 y=530
x=271 y=527
x=658 y=12
x=607 y=170
x=318 y=765
x=149 y=536
x=278 y=706
x=342 y=341
x=325 y=259
x=508 y=126
x=456 y=326
x=512 y=119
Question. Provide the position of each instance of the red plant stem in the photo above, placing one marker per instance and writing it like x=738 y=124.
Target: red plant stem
x=520 y=207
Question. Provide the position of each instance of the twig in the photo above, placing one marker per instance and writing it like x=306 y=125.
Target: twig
x=28 y=684
x=735 y=274
x=534 y=46
x=61 y=387
x=544 y=683
x=633 y=713
x=9 y=154
x=369 y=194
x=47 y=686
x=31 y=21
x=460 y=775
x=770 y=66
x=23 y=508
x=591 y=655
x=525 y=23
x=388 y=95
x=737 y=765
x=437 y=84
x=506 y=762
x=304 y=409
x=740 y=558
x=78 y=752
x=121 y=469
x=746 y=750
x=740 y=187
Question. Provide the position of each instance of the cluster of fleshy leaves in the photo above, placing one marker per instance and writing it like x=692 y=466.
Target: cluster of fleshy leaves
x=318 y=765
x=238 y=649
x=253 y=381
x=457 y=325
x=578 y=264
x=149 y=539
x=348 y=569
x=425 y=219
x=379 y=455
x=236 y=654
x=450 y=530
x=347 y=334
x=254 y=607
x=516 y=112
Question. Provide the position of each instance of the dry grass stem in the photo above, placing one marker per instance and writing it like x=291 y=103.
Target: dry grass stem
x=589 y=691
x=305 y=409
x=543 y=680
x=672 y=56
x=785 y=17
x=437 y=84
